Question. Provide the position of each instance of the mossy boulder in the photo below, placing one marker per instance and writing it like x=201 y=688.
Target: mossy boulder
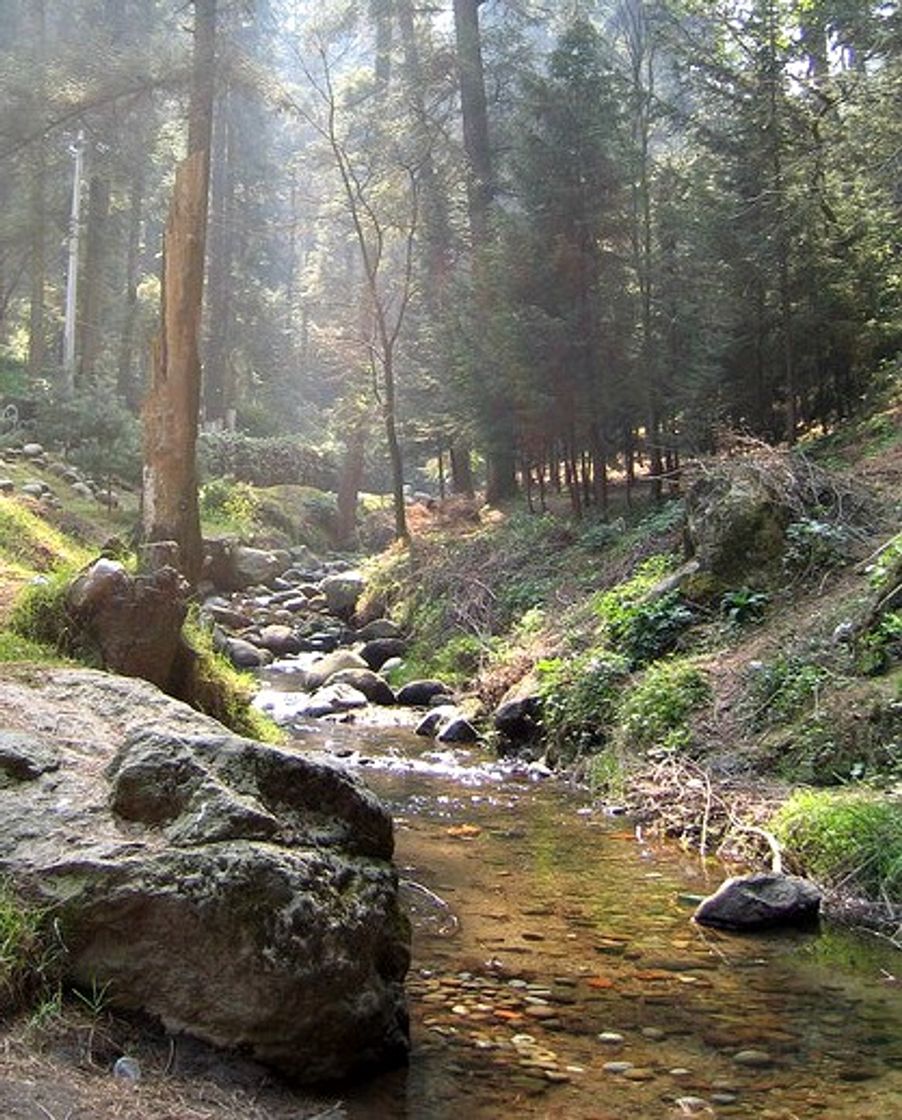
x=238 y=892
x=735 y=523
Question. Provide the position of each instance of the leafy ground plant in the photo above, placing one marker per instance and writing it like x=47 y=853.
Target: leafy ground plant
x=784 y=688
x=655 y=712
x=848 y=839
x=580 y=697
x=637 y=623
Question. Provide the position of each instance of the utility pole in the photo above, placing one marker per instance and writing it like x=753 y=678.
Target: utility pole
x=72 y=278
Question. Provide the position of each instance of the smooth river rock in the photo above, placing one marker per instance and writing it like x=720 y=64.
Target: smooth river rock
x=763 y=900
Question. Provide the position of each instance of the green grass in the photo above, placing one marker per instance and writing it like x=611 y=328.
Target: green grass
x=40 y=618
x=27 y=963
x=14 y=647
x=846 y=838
x=29 y=544
x=224 y=692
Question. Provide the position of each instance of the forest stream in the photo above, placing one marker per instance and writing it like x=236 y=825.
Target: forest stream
x=556 y=972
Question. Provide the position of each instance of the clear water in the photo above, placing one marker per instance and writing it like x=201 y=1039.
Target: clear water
x=540 y=925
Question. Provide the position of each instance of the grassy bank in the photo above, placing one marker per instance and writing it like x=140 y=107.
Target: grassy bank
x=701 y=699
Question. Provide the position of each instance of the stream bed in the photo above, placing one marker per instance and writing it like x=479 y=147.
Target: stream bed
x=556 y=972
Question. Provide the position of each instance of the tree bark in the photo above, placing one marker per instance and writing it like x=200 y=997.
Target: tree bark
x=125 y=381
x=171 y=409
x=93 y=281
x=474 y=112
x=350 y=482
x=37 y=343
x=218 y=380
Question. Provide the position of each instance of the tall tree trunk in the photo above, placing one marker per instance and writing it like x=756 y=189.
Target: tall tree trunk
x=350 y=481
x=37 y=342
x=381 y=15
x=436 y=230
x=171 y=409
x=93 y=280
x=125 y=380
x=480 y=186
x=501 y=480
x=218 y=380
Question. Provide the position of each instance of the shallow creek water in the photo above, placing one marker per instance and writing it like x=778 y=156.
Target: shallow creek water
x=556 y=972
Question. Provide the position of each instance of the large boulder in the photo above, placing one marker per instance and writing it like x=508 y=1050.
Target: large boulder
x=373 y=687
x=279 y=640
x=133 y=623
x=342 y=590
x=379 y=650
x=736 y=520
x=518 y=717
x=240 y=893
x=248 y=567
x=333 y=663
x=763 y=900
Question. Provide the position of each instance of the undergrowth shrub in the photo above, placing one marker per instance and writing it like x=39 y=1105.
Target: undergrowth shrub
x=266 y=460
x=607 y=774
x=783 y=689
x=41 y=617
x=638 y=626
x=655 y=712
x=845 y=741
x=579 y=700
x=14 y=647
x=231 y=505
x=847 y=839
x=813 y=546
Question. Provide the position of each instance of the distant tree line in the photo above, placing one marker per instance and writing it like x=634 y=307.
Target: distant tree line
x=561 y=247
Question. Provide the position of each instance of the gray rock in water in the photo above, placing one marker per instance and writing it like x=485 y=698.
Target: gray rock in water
x=373 y=687
x=245 y=655
x=763 y=900
x=223 y=614
x=333 y=663
x=518 y=717
x=334 y=698
x=456 y=729
x=378 y=628
x=279 y=640
x=429 y=724
x=251 y=566
x=379 y=650
x=420 y=694
x=240 y=893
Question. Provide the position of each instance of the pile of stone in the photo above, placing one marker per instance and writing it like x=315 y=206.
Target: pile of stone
x=36 y=488
x=292 y=619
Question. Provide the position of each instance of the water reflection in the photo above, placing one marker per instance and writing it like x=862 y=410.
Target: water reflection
x=556 y=972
